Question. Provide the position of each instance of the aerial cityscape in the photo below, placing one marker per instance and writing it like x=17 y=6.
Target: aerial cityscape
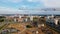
x=29 y=24
x=29 y=16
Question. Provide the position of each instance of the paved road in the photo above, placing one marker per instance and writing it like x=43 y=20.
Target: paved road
x=3 y=27
x=54 y=32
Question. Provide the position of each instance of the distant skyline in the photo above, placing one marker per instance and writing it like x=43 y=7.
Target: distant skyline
x=12 y=6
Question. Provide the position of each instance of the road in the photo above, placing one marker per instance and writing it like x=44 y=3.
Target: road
x=50 y=28
x=3 y=26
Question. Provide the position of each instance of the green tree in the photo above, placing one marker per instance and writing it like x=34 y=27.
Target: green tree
x=2 y=18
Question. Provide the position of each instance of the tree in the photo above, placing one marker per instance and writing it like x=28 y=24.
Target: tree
x=28 y=26
x=2 y=18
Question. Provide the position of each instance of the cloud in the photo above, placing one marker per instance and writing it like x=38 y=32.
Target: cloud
x=48 y=3
x=13 y=1
x=24 y=6
x=51 y=3
x=29 y=0
x=33 y=0
x=9 y=10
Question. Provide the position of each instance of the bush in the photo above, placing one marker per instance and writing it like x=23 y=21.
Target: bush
x=1 y=20
x=2 y=17
x=28 y=26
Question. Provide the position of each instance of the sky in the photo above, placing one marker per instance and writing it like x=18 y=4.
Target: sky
x=12 y=6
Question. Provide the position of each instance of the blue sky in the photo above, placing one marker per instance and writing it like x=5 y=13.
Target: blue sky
x=12 y=6
x=20 y=3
